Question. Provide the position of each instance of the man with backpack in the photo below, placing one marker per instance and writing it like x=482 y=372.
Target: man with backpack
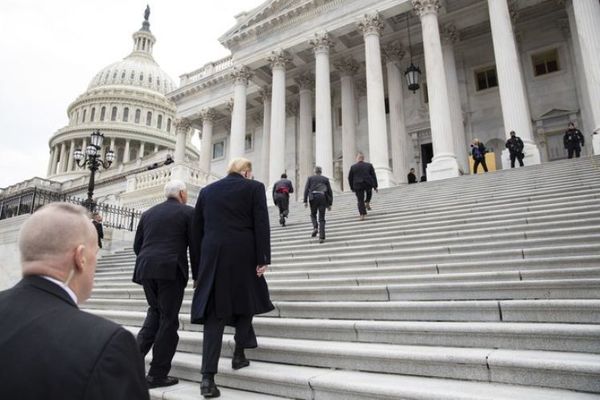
x=478 y=151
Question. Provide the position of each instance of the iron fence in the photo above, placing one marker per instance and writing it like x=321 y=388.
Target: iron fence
x=31 y=199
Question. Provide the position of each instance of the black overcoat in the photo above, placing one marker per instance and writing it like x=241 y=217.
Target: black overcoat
x=231 y=236
x=362 y=176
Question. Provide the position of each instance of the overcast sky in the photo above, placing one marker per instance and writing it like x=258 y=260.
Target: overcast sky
x=51 y=49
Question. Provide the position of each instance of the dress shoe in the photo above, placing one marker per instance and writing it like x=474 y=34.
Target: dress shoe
x=209 y=389
x=155 y=382
x=368 y=206
x=362 y=217
x=314 y=233
x=239 y=359
x=322 y=240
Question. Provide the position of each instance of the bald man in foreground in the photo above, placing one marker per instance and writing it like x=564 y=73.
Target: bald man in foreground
x=49 y=349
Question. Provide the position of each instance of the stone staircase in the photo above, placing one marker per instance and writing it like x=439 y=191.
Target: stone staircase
x=479 y=287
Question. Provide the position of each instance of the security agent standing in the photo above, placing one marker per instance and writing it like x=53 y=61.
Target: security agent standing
x=281 y=197
x=318 y=192
x=573 y=140
x=161 y=267
x=411 y=177
x=362 y=180
x=515 y=148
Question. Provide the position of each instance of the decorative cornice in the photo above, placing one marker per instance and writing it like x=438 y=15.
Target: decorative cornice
x=241 y=75
x=229 y=106
x=306 y=81
x=371 y=24
x=449 y=34
x=208 y=114
x=182 y=125
x=424 y=7
x=321 y=42
x=513 y=10
x=278 y=58
x=346 y=66
x=393 y=52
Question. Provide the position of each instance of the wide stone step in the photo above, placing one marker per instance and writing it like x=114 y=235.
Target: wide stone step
x=187 y=390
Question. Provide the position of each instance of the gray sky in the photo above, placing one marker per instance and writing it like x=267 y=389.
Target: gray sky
x=50 y=51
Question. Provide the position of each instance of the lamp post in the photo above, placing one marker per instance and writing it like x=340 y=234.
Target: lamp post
x=92 y=159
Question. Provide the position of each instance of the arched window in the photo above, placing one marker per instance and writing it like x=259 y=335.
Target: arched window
x=115 y=75
x=113 y=114
x=102 y=113
x=150 y=78
x=132 y=75
x=123 y=75
x=169 y=125
x=93 y=114
x=157 y=81
x=159 y=122
x=138 y=113
x=141 y=76
x=125 y=114
x=148 y=118
x=84 y=113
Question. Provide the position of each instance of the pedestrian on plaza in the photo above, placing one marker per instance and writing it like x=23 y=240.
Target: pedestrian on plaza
x=49 y=348
x=281 y=197
x=318 y=192
x=515 y=148
x=362 y=180
x=412 y=178
x=231 y=236
x=573 y=140
x=161 y=245
x=97 y=221
x=478 y=151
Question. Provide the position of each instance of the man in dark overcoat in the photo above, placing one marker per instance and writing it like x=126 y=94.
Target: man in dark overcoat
x=318 y=192
x=161 y=243
x=49 y=348
x=231 y=235
x=362 y=180
x=281 y=197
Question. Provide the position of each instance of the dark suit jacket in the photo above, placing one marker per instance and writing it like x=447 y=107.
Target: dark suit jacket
x=231 y=237
x=318 y=183
x=362 y=176
x=282 y=188
x=50 y=349
x=161 y=241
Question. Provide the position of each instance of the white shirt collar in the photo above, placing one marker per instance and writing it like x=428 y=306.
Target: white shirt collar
x=67 y=289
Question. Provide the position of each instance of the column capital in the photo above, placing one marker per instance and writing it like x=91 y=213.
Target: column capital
x=424 y=7
x=321 y=42
x=208 y=114
x=182 y=125
x=346 y=66
x=229 y=106
x=393 y=51
x=259 y=117
x=306 y=81
x=449 y=34
x=265 y=94
x=513 y=10
x=371 y=24
x=241 y=75
x=278 y=58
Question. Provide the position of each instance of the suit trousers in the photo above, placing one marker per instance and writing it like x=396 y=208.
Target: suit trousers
x=318 y=205
x=212 y=343
x=159 y=330
x=476 y=165
x=518 y=156
x=283 y=203
x=360 y=196
x=576 y=150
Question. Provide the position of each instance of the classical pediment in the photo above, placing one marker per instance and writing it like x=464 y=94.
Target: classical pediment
x=555 y=112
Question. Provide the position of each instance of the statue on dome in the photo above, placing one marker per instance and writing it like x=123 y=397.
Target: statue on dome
x=147 y=12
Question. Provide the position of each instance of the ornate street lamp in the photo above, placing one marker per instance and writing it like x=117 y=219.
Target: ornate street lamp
x=92 y=159
x=412 y=73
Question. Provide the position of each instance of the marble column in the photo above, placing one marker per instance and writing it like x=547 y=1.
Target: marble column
x=449 y=38
x=182 y=128
x=50 y=156
x=278 y=59
x=306 y=154
x=324 y=134
x=83 y=147
x=371 y=27
x=155 y=148
x=347 y=68
x=513 y=98
x=240 y=75
x=70 y=154
x=63 y=157
x=208 y=117
x=54 y=163
x=444 y=164
x=399 y=140
x=587 y=21
x=265 y=95
x=142 y=150
x=126 y=152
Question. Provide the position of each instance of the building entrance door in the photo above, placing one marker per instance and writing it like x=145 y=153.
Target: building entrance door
x=426 y=156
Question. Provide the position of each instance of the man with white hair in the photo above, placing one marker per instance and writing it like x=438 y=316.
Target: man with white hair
x=161 y=244
x=49 y=348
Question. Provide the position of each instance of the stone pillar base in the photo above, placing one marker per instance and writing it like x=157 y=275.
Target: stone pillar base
x=442 y=167
x=596 y=142
x=532 y=156
x=385 y=178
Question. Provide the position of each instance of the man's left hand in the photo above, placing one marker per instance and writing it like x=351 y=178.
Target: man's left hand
x=260 y=270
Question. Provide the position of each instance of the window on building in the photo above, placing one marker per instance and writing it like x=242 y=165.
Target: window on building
x=486 y=78
x=149 y=118
x=123 y=75
x=102 y=113
x=158 y=81
x=425 y=93
x=169 y=125
x=138 y=114
x=314 y=124
x=125 y=114
x=150 y=78
x=115 y=75
x=84 y=113
x=545 y=62
x=386 y=103
x=132 y=75
x=218 y=150
x=339 y=116
x=141 y=76
x=159 y=122
x=92 y=114
x=113 y=114
x=248 y=142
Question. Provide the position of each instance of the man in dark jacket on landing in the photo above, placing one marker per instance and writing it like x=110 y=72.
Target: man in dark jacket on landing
x=573 y=140
x=281 y=197
x=161 y=267
x=515 y=148
x=362 y=179
x=318 y=192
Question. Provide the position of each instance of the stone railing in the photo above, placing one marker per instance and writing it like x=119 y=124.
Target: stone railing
x=160 y=176
x=31 y=183
x=206 y=70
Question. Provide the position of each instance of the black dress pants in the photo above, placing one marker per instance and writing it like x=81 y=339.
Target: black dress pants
x=213 y=336
x=318 y=204
x=159 y=331
x=476 y=165
x=283 y=203
x=576 y=150
x=360 y=196
x=518 y=156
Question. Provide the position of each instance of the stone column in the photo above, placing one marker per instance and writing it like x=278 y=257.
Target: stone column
x=182 y=128
x=265 y=95
x=126 y=152
x=306 y=153
x=371 y=27
x=324 y=134
x=112 y=143
x=278 y=60
x=240 y=75
x=83 y=147
x=449 y=37
x=515 y=107
x=50 y=156
x=399 y=140
x=587 y=21
x=70 y=154
x=54 y=162
x=155 y=148
x=208 y=117
x=63 y=157
x=444 y=164
x=347 y=68
x=142 y=149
